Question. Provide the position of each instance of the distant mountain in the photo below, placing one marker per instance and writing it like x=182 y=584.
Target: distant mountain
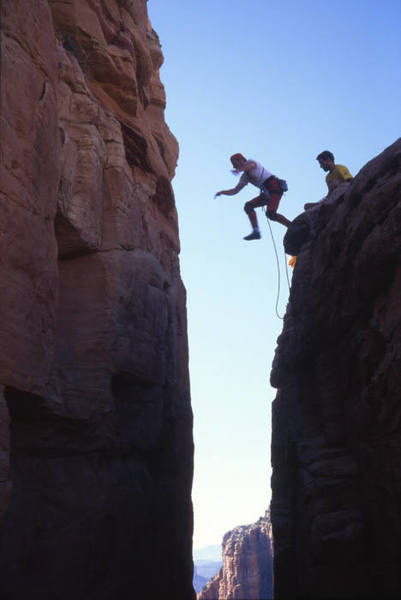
x=207 y=562
x=204 y=570
x=199 y=582
x=213 y=553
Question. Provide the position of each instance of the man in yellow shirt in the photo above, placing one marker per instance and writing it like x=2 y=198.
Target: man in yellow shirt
x=337 y=173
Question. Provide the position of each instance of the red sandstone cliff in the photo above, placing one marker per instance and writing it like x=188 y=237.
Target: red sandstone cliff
x=95 y=418
x=336 y=446
x=246 y=573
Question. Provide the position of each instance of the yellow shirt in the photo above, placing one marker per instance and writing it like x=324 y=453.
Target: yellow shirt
x=338 y=174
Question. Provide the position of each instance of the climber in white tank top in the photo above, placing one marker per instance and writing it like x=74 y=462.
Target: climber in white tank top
x=270 y=192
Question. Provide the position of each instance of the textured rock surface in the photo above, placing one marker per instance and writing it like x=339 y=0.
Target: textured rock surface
x=246 y=573
x=336 y=446
x=95 y=416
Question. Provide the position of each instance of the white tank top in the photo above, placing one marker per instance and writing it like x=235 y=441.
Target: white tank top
x=257 y=175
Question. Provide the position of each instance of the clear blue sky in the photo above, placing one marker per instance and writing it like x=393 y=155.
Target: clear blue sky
x=279 y=81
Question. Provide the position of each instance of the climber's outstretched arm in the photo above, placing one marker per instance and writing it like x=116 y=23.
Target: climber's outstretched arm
x=233 y=191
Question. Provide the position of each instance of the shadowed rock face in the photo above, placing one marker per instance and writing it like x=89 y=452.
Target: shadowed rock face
x=95 y=418
x=246 y=573
x=336 y=446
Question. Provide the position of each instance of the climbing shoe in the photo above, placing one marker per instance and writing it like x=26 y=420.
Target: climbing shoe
x=255 y=235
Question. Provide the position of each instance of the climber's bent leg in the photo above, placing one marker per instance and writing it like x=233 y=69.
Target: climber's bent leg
x=272 y=206
x=275 y=216
x=249 y=208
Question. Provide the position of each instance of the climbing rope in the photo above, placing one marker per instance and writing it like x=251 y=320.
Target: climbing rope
x=278 y=268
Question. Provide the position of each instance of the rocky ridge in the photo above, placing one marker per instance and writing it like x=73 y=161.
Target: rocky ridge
x=246 y=573
x=336 y=445
x=95 y=418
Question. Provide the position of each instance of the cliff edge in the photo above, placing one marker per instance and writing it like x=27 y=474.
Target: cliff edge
x=95 y=419
x=336 y=445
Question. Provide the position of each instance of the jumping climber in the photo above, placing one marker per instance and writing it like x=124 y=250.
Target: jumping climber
x=270 y=192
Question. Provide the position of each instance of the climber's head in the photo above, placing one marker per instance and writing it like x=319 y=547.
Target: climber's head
x=237 y=160
x=326 y=160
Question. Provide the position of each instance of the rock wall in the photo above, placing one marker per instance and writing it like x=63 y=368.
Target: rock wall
x=246 y=573
x=95 y=420
x=336 y=446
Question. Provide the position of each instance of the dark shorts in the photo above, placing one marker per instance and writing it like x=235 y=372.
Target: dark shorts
x=272 y=199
